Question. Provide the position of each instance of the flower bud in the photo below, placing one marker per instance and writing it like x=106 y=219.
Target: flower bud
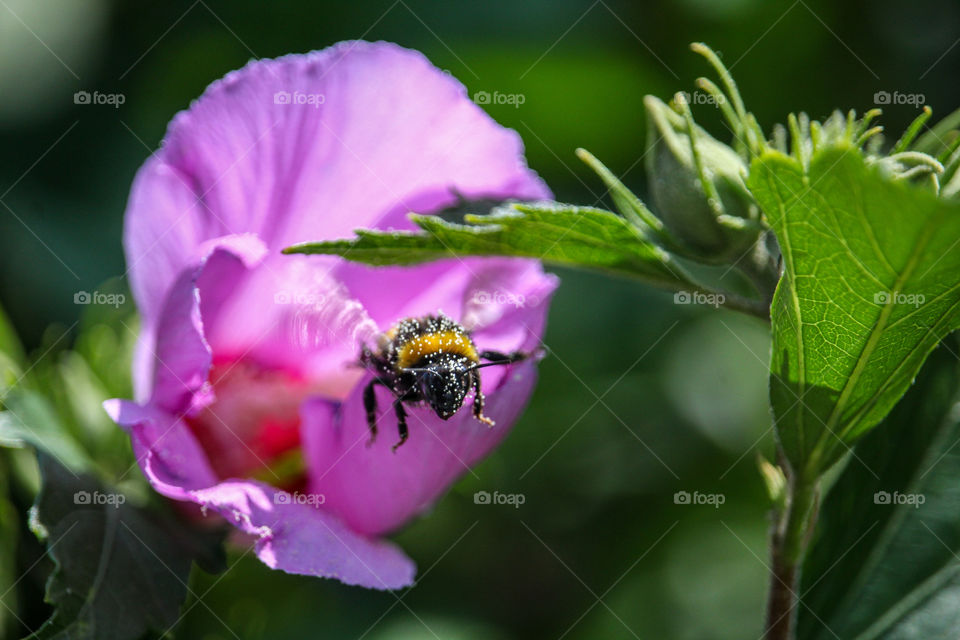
x=774 y=480
x=717 y=223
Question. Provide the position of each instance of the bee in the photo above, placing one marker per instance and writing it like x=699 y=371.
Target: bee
x=431 y=360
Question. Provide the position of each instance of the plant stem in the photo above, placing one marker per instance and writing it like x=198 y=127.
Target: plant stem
x=749 y=306
x=789 y=538
x=761 y=267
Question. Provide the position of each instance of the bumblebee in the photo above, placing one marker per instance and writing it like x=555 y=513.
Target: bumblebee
x=429 y=360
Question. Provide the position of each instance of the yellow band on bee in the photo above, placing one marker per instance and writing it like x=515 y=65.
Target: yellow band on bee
x=444 y=342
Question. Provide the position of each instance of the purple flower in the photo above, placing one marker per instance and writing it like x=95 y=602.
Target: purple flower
x=248 y=399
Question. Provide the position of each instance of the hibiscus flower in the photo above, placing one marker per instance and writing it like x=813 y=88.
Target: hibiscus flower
x=248 y=396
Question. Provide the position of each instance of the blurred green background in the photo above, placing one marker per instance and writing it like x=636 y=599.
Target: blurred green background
x=641 y=398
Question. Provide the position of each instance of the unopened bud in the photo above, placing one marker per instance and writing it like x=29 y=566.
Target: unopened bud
x=717 y=223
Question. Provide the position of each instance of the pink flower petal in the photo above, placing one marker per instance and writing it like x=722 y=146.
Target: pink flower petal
x=291 y=536
x=169 y=455
x=292 y=314
x=392 y=134
x=176 y=345
x=301 y=538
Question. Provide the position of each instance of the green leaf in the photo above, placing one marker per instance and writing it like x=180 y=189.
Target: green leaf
x=871 y=284
x=12 y=357
x=9 y=541
x=120 y=572
x=57 y=405
x=557 y=234
x=628 y=204
x=938 y=138
x=29 y=419
x=107 y=339
x=80 y=395
x=9 y=343
x=882 y=569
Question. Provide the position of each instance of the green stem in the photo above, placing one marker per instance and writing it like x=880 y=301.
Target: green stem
x=757 y=308
x=762 y=269
x=789 y=539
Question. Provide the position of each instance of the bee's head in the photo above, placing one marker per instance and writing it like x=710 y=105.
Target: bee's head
x=444 y=389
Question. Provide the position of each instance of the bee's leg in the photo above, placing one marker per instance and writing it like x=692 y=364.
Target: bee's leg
x=504 y=358
x=478 y=400
x=401 y=422
x=370 y=404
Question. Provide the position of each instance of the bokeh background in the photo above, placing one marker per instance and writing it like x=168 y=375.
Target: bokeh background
x=640 y=398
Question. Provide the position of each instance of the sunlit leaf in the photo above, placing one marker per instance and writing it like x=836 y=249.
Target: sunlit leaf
x=557 y=234
x=871 y=284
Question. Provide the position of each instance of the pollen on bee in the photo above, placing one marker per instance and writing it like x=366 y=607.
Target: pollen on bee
x=427 y=360
x=451 y=342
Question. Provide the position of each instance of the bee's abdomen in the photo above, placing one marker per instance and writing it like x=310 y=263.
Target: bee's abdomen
x=442 y=342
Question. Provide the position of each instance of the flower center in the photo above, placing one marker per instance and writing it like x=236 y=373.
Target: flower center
x=252 y=427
